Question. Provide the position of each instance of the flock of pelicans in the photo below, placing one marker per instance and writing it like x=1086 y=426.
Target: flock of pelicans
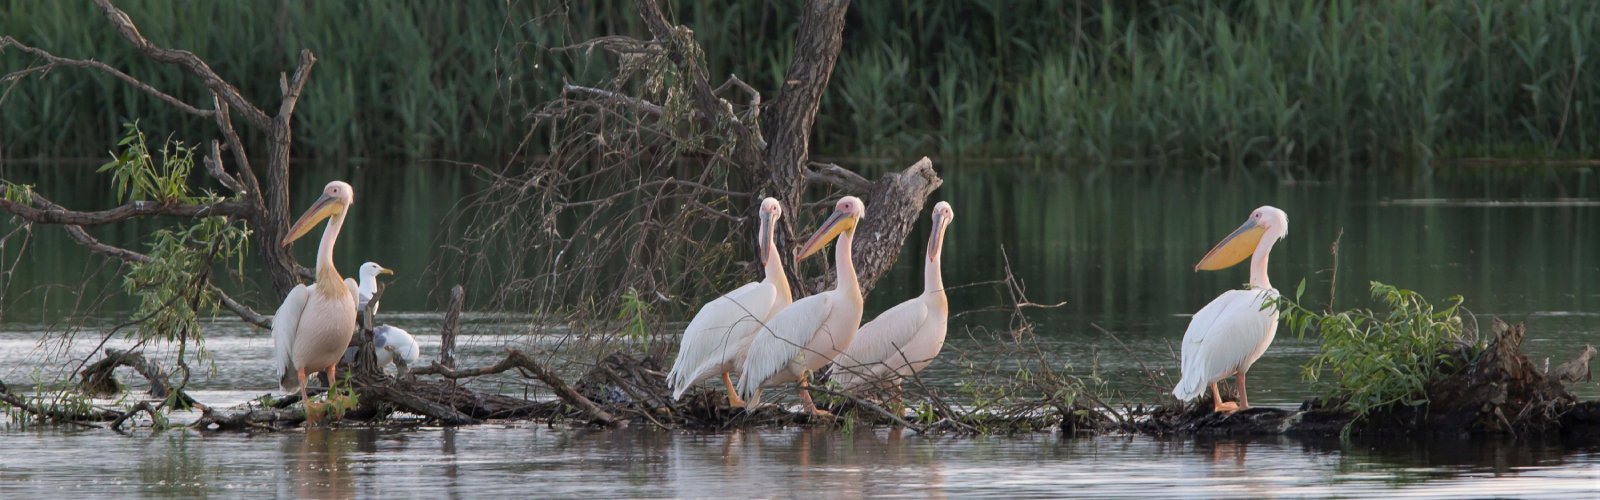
x=759 y=332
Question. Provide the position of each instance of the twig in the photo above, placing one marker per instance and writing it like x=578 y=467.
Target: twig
x=640 y=104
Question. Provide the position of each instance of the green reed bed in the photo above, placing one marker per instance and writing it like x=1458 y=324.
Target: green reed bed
x=1171 y=83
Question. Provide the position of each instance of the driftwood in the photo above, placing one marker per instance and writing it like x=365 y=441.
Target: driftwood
x=250 y=416
x=99 y=379
x=516 y=360
x=1576 y=370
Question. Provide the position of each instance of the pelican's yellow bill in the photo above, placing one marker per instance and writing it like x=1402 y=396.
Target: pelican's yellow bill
x=1234 y=249
x=324 y=207
x=836 y=224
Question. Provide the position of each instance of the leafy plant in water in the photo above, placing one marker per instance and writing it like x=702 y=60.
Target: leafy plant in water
x=1381 y=358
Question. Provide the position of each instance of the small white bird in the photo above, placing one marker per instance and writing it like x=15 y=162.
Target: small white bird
x=1228 y=335
x=716 y=340
x=368 y=285
x=904 y=339
x=808 y=334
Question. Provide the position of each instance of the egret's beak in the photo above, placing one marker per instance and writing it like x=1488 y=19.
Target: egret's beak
x=936 y=243
x=837 y=223
x=1233 y=249
x=385 y=270
x=764 y=240
x=325 y=207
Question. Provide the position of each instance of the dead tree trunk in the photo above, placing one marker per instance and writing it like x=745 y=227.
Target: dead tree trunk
x=778 y=163
x=816 y=49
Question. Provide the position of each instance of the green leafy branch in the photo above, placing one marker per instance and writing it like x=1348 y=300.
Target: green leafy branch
x=137 y=176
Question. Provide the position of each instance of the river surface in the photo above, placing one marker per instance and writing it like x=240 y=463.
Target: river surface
x=1519 y=243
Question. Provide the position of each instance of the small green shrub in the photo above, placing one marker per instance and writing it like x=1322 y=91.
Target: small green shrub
x=1382 y=358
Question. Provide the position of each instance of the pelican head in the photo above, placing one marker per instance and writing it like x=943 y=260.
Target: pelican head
x=771 y=210
x=336 y=198
x=371 y=270
x=942 y=215
x=1263 y=222
x=846 y=214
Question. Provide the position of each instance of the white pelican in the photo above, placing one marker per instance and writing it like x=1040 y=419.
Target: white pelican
x=904 y=339
x=389 y=343
x=808 y=334
x=716 y=340
x=1230 y=334
x=314 y=324
x=368 y=285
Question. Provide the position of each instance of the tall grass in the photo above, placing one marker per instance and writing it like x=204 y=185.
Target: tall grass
x=1239 y=82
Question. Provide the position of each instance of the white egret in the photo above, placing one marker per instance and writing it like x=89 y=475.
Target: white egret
x=808 y=334
x=1228 y=335
x=315 y=323
x=904 y=339
x=716 y=340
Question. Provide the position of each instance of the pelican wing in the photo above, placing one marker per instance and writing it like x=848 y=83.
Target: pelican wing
x=285 y=325
x=716 y=338
x=887 y=344
x=781 y=343
x=1226 y=335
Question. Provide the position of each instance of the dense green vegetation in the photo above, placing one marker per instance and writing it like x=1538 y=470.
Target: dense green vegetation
x=1386 y=358
x=1172 y=83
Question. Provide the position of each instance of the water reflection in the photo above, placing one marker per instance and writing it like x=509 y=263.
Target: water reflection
x=317 y=463
x=496 y=460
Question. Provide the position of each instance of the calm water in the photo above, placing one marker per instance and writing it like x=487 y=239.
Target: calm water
x=1519 y=243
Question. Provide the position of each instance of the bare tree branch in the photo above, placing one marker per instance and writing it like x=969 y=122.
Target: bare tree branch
x=56 y=214
x=52 y=60
x=185 y=59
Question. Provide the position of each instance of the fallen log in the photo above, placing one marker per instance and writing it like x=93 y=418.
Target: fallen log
x=250 y=416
